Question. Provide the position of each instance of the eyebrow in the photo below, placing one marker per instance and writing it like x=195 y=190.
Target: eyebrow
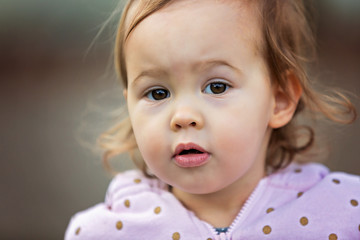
x=155 y=72
x=199 y=66
x=204 y=65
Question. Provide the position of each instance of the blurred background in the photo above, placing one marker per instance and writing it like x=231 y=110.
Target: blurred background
x=56 y=95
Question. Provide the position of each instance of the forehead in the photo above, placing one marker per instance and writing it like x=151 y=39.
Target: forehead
x=240 y=13
x=187 y=33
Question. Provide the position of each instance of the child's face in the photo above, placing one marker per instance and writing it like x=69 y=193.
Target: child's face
x=195 y=75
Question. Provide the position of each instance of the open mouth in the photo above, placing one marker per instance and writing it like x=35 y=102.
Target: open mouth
x=190 y=155
x=190 y=151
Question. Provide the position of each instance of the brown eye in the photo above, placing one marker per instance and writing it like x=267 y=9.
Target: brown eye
x=216 y=88
x=158 y=94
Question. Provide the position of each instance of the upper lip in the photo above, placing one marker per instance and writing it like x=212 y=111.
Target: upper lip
x=187 y=146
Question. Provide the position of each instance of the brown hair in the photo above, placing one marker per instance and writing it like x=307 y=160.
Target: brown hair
x=288 y=44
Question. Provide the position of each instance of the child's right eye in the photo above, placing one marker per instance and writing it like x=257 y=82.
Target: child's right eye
x=158 y=94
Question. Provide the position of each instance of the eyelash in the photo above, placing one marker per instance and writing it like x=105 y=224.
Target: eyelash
x=165 y=93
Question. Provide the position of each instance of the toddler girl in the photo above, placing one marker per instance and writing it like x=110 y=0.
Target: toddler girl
x=213 y=88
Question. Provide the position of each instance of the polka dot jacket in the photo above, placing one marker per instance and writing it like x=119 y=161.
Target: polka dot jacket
x=299 y=202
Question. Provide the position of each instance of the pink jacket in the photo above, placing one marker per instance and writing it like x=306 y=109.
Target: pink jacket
x=299 y=202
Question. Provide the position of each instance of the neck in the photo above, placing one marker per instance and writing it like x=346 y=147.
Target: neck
x=220 y=208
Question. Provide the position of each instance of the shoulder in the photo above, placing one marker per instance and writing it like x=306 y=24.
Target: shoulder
x=135 y=207
x=313 y=176
x=314 y=181
x=96 y=222
x=333 y=205
x=298 y=176
x=104 y=220
x=338 y=193
x=132 y=185
x=314 y=202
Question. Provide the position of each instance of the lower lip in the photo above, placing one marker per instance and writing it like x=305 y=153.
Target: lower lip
x=191 y=160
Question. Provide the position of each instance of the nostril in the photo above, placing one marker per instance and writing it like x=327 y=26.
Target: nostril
x=193 y=124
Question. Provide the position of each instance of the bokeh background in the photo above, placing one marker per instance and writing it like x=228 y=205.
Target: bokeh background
x=56 y=95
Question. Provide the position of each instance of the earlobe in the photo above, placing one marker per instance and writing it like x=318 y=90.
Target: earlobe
x=125 y=94
x=286 y=102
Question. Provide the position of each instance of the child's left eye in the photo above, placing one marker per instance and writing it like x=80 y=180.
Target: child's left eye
x=216 y=88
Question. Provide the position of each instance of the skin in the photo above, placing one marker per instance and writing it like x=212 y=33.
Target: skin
x=182 y=49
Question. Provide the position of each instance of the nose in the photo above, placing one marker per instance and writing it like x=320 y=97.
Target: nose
x=186 y=117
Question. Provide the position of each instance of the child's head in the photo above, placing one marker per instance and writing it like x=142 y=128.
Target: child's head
x=224 y=78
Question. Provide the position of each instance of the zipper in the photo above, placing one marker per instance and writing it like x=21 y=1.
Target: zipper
x=222 y=236
x=249 y=202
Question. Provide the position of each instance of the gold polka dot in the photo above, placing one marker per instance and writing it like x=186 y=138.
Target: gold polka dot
x=298 y=170
x=269 y=210
x=300 y=194
x=354 y=202
x=137 y=180
x=77 y=232
x=176 y=236
x=127 y=203
x=359 y=227
x=333 y=236
x=209 y=239
x=157 y=210
x=337 y=181
x=304 y=221
x=267 y=229
x=119 y=225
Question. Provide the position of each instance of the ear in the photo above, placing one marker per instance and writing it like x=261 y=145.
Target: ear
x=125 y=94
x=286 y=102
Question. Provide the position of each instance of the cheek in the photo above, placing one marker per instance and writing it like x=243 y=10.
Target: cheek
x=149 y=135
x=243 y=130
x=235 y=140
x=148 y=145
